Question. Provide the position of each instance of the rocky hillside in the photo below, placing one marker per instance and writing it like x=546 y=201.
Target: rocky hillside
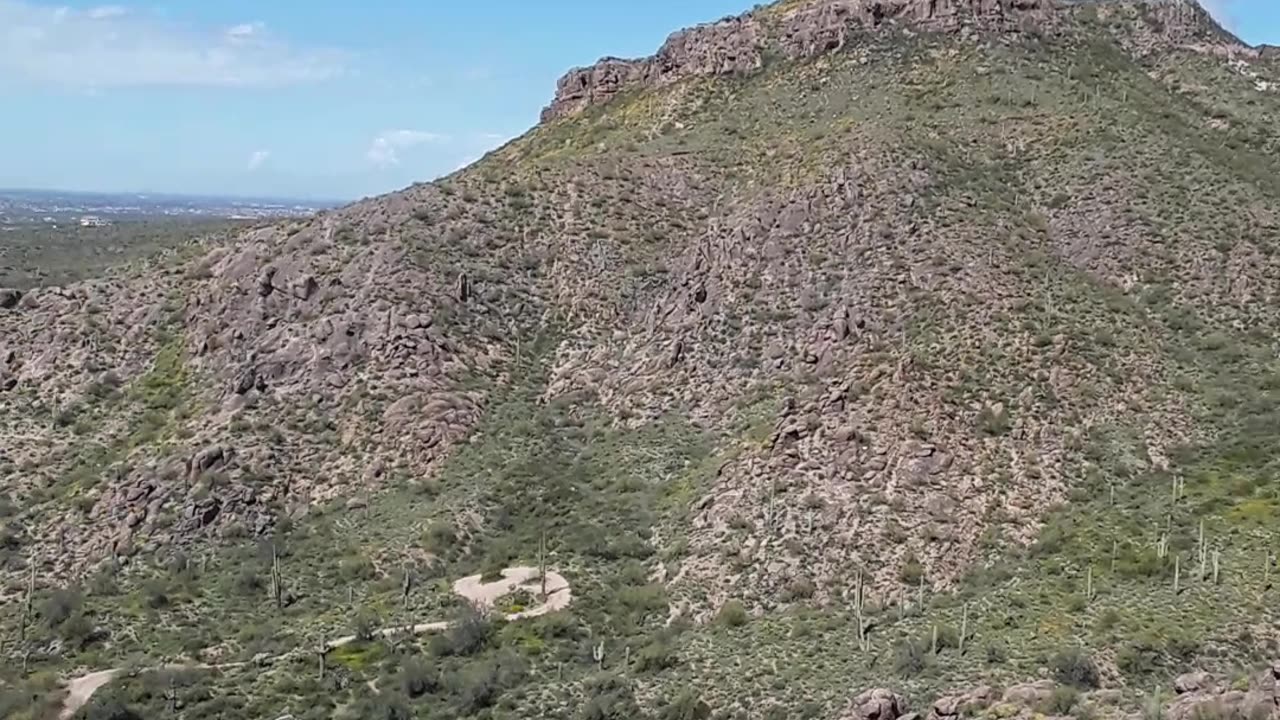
x=844 y=343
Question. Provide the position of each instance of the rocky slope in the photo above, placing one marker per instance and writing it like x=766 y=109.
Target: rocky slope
x=871 y=321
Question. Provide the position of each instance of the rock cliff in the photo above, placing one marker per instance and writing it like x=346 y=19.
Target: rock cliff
x=808 y=28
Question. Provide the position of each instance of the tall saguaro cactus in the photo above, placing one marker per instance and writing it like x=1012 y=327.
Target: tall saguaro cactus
x=542 y=563
x=859 y=601
x=277 y=582
x=26 y=606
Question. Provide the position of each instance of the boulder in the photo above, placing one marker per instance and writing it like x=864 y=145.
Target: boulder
x=953 y=706
x=1031 y=695
x=9 y=298
x=211 y=458
x=266 y=284
x=877 y=704
x=305 y=288
x=1193 y=682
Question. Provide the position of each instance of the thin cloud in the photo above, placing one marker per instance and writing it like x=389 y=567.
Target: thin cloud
x=107 y=47
x=257 y=159
x=385 y=149
x=106 y=11
x=245 y=32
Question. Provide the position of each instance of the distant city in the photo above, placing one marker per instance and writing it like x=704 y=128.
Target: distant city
x=50 y=207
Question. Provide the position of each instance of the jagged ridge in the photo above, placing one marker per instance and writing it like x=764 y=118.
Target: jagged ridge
x=802 y=30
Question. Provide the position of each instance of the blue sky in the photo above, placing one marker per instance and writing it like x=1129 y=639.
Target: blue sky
x=326 y=98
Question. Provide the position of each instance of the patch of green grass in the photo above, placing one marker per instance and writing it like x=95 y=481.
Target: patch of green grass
x=358 y=656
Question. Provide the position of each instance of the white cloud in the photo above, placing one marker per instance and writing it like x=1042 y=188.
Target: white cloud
x=104 y=12
x=245 y=32
x=257 y=158
x=386 y=148
x=108 y=47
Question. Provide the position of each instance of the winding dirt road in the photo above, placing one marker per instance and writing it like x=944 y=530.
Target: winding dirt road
x=482 y=594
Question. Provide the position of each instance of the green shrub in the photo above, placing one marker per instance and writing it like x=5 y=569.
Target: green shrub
x=77 y=630
x=383 y=707
x=656 y=655
x=1075 y=668
x=1062 y=701
x=155 y=594
x=470 y=633
x=479 y=686
x=440 y=537
x=911 y=658
x=912 y=570
x=417 y=678
x=357 y=568
x=732 y=614
x=609 y=697
x=60 y=606
x=248 y=583
x=364 y=625
x=997 y=653
x=686 y=706
x=109 y=708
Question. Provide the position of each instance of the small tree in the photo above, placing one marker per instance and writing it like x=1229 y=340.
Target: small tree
x=1073 y=667
x=417 y=678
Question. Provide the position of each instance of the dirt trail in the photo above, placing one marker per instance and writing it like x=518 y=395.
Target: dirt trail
x=481 y=594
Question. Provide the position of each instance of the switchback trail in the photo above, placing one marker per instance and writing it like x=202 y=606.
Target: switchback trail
x=482 y=594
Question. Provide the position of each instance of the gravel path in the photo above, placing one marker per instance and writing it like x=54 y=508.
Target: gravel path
x=485 y=595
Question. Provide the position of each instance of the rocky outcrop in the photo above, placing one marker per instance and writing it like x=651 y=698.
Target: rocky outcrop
x=1198 y=695
x=720 y=48
x=967 y=704
x=1202 y=695
x=740 y=44
x=876 y=704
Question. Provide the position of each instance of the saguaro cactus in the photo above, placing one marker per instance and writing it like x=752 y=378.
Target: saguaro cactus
x=1202 y=552
x=859 y=600
x=542 y=563
x=277 y=582
x=26 y=607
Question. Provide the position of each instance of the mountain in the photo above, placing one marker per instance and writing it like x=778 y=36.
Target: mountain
x=844 y=358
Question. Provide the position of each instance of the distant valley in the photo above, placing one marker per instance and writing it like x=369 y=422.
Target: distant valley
x=21 y=207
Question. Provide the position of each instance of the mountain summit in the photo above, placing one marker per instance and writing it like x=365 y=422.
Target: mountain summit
x=845 y=358
x=800 y=29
